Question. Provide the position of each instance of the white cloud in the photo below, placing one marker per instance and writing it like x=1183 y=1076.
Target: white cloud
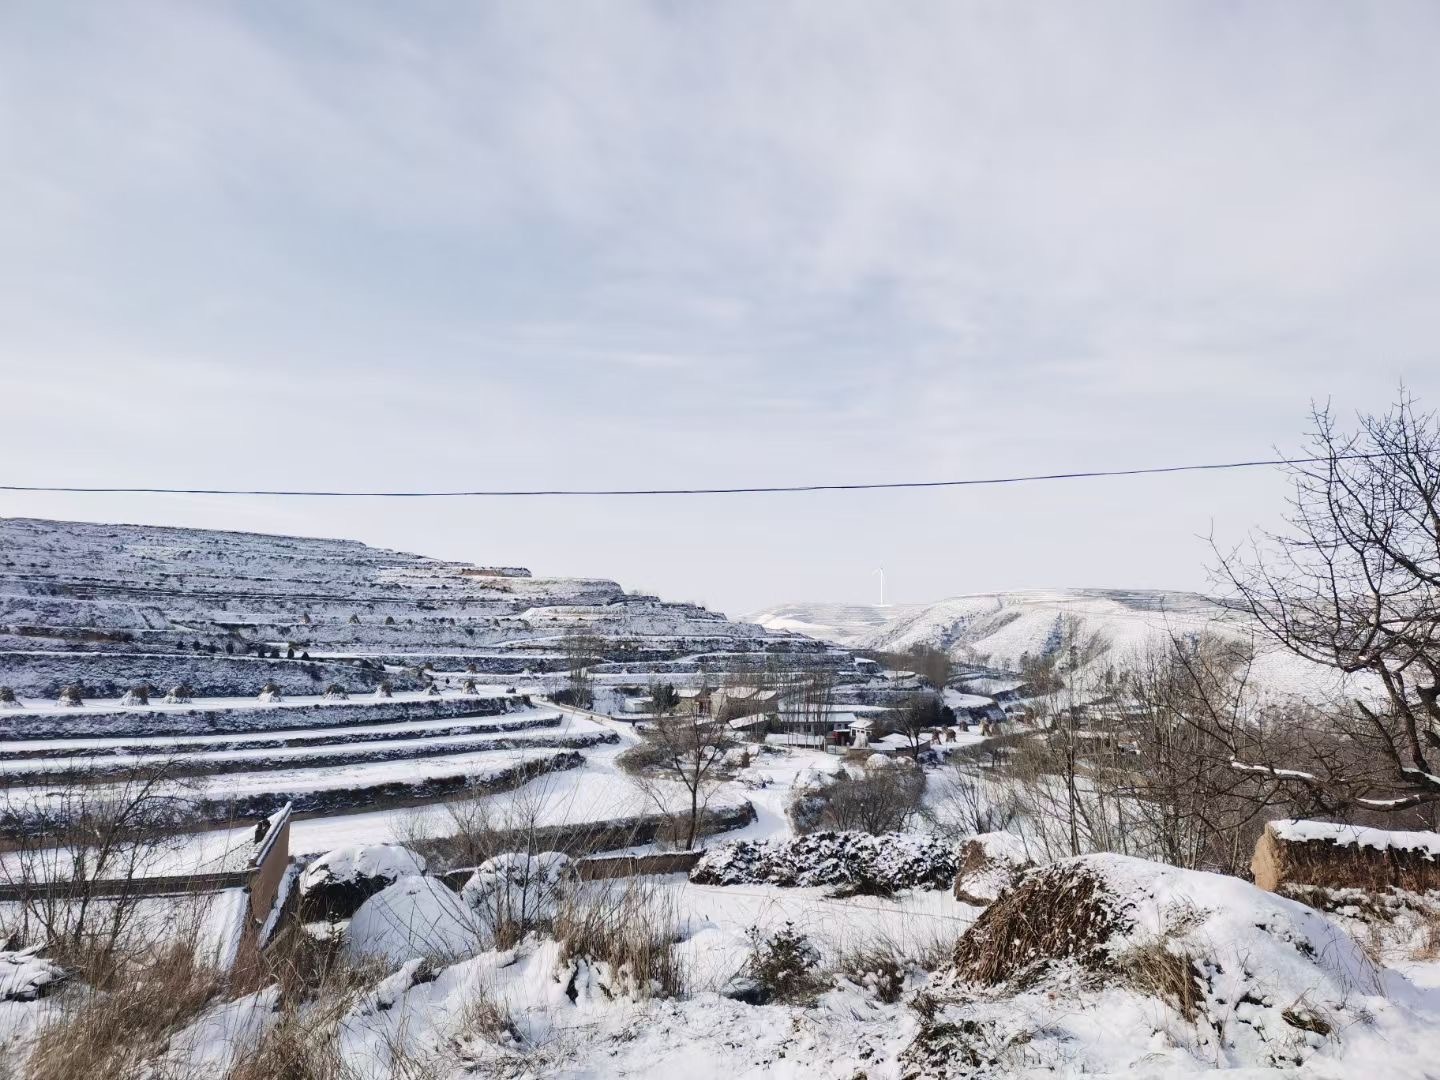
x=550 y=244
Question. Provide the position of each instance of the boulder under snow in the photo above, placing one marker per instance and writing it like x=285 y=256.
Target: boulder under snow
x=337 y=883
x=889 y=860
x=415 y=917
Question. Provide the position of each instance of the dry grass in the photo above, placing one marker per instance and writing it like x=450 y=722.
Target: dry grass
x=1054 y=914
x=128 y=1015
x=1172 y=977
x=629 y=925
x=317 y=988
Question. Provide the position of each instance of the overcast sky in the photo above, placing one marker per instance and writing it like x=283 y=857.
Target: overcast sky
x=350 y=245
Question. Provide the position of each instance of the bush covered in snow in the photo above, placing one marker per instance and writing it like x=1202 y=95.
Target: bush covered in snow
x=338 y=882
x=853 y=859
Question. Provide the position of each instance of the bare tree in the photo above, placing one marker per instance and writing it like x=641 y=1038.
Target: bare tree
x=582 y=651
x=67 y=853
x=916 y=715
x=1353 y=584
x=689 y=750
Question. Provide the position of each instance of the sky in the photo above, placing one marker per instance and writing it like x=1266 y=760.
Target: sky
x=619 y=244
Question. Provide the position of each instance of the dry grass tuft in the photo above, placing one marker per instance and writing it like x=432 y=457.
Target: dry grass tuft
x=1170 y=976
x=629 y=925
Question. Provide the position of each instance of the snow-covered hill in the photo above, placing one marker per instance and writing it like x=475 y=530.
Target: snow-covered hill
x=999 y=630
x=226 y=609
x=851 y=625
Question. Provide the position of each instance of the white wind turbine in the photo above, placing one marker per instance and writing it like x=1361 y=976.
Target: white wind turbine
x=881 y=571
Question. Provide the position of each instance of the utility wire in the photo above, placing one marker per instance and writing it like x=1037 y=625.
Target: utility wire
x=758 y=490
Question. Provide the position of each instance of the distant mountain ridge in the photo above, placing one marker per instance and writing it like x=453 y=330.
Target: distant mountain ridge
x=999 y=630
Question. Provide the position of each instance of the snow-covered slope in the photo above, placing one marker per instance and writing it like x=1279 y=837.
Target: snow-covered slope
x=999 y=630
x=850 y=625
x=217 y=605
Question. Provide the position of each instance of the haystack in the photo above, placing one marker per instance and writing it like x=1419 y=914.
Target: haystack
x=1334 y=856
x=179 y=694
x=8 y=700
x=1248 y=977
x=136 y=695
x=1059 y=913
x=336 y=692
x=71 y=695
x=384 y=690
x=270 y=694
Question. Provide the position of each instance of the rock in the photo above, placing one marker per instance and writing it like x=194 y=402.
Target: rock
x=336 y=884
x=27 y=977
x=745 y=989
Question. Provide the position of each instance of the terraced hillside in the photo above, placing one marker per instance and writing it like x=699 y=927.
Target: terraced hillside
x=230 y=761
x=107 y=606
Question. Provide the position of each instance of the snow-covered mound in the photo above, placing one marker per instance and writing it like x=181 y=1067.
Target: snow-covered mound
x=1173 y=963
x=990 y=863
x=517 y=888
x=890 y=861
x=415 y=917
x=341 y=880
x=25 y=976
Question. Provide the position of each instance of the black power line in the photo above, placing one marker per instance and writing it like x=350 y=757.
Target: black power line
x=757 y=490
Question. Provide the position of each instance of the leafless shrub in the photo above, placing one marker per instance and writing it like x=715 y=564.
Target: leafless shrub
x=68 y=853
x=883 y=800
x=964 y=801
